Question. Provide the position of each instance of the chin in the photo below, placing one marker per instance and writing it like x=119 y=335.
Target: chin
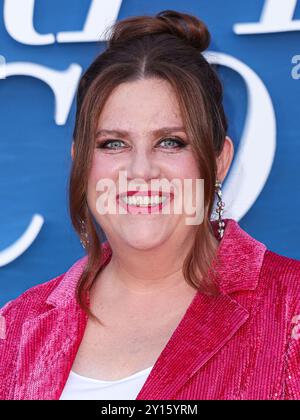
x=144 y=240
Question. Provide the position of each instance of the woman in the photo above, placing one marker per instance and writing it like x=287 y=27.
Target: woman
x=164 y=309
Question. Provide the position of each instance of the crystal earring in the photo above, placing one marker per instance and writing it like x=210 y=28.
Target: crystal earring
x=84 y=240
x=220 y=208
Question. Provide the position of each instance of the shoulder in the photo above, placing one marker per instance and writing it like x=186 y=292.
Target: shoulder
x=283 y=273
x=32 y=302
x=284 y=267
x=13 y=315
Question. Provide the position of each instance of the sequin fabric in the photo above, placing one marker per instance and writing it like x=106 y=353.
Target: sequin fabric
x=241 y=345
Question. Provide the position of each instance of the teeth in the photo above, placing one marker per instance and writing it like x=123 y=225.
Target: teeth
x=143 y=201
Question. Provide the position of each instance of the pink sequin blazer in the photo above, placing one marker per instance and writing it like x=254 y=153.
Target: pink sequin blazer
x=241 y=345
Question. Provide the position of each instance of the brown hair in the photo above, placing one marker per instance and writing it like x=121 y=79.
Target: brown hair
x=168 y=46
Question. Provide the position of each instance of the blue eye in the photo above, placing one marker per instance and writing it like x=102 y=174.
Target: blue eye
x=112 y=143
x=171 y=143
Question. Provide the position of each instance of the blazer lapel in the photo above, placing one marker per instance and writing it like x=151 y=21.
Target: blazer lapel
x=50 y=341
x=48 y=347
x=208 y=324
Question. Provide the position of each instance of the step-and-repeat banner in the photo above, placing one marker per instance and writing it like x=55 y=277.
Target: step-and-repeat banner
x=44 y=48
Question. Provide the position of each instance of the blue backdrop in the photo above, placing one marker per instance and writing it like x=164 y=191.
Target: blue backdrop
x=36 y=135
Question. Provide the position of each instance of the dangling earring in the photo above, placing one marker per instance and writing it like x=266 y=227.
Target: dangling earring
x=84 y=239
x=220 y=208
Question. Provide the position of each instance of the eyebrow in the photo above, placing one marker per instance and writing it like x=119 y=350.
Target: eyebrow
x=123 y=133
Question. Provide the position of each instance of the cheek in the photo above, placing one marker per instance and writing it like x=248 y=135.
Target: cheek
x=186 y=168
x=102 y=168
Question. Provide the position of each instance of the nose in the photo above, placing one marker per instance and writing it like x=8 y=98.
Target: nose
x=143 y=165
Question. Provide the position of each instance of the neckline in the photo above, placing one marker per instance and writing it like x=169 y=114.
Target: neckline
x=101 y=381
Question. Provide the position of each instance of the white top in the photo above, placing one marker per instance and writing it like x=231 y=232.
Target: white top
x=80 y=387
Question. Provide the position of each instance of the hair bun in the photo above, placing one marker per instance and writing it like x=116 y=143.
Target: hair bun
x=185 y=26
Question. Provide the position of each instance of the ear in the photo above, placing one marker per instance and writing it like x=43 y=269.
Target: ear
x=72 y=150
x=225 y=159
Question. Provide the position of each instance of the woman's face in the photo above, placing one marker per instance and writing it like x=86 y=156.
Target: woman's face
x=135 y=117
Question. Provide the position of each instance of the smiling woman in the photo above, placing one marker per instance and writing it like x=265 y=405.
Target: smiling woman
x=163 y=309
x=151 y=81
